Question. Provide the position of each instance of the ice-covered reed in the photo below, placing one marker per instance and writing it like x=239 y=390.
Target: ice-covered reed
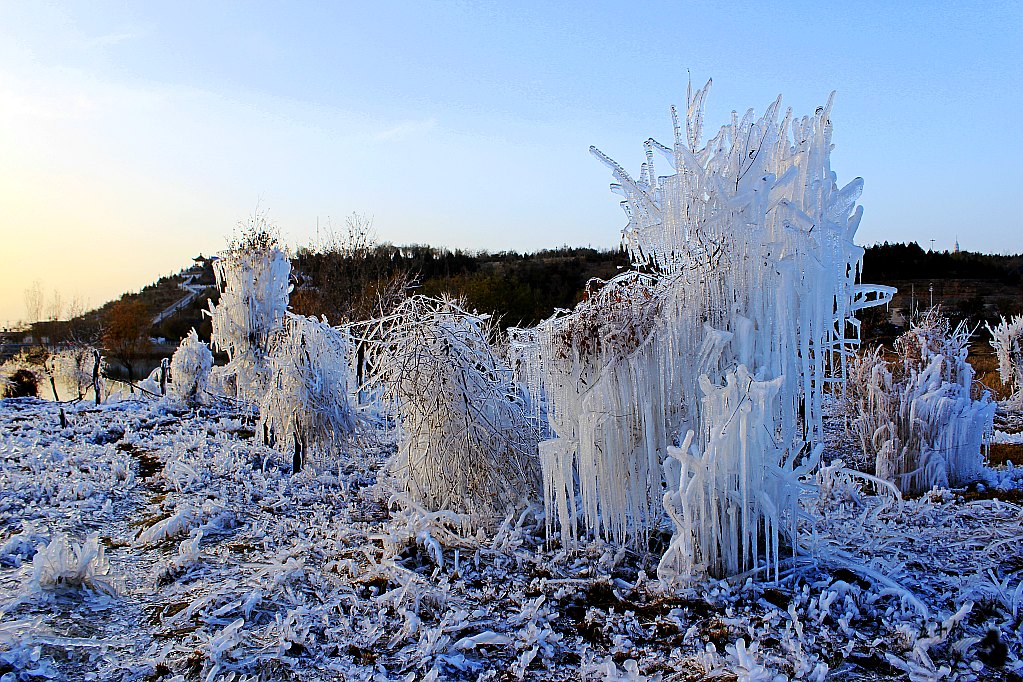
x=253 y=278
x=916 y=416
x=63 y=564
x=737 y=498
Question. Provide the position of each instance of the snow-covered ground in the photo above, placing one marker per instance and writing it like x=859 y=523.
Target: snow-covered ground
x=147 y=541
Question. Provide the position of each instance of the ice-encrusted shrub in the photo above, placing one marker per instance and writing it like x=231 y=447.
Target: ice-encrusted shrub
x=916 y=415
x=190 y=369
x=20 y=378
x=253 y=277
x=751 y=261
x=466 y=438
x=1007 y=340
x=306 y=403
x=64 y=564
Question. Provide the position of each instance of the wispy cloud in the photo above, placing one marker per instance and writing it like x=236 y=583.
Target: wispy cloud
x=404 y=130
x=111 y=39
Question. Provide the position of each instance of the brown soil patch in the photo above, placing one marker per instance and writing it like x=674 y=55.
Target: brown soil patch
x=1001 y=453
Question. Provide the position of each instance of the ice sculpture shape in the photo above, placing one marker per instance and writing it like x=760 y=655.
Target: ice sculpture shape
x=748 y=246
x=467 y=442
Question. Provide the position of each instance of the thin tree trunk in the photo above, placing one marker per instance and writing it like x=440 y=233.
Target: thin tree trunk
x=95 y=374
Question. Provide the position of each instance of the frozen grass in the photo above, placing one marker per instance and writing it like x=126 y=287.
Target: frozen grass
x=325 y=574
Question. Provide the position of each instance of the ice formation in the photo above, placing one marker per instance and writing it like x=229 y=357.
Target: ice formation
x=73 y=368
x=190 y=369
x=1007 y=340
x=306 y=403
x=749 y=243
x=62 y=564
x=739 y=496
x=466 y=438
x=254 y=282
x=917 y=417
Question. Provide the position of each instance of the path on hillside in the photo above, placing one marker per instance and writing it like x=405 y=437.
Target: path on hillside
x=192 y=292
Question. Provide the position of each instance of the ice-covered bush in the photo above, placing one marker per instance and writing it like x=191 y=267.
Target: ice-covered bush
x=1007 y=340
x=253 y=277
x=916 y=415
x=20 y=378
x=306 y=403
x=190 y=369
x=749 y=246
x=466 y=438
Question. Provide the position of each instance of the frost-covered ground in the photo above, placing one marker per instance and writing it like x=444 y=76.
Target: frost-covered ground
x=150 y=542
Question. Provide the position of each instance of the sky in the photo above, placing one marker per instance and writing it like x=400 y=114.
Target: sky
x=136 y=135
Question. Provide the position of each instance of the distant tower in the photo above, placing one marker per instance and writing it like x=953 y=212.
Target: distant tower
x=956 y=250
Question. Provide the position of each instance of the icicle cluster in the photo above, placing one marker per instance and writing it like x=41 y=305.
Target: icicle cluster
x=253 y=279
x=190 y=369
x=306 y=403
x=917 y=417
x=466 y=438
x=1007 y=340
x=750 y=241
x=738 y=496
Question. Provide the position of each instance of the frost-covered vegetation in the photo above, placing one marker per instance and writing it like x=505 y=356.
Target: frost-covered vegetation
x=224 y=562
x=749 y=242
x=467 y=438
x=306 y=403
x=917 y=416
x=254 y=279
x=190 y=366
x=1007 y=340
x=651 y=486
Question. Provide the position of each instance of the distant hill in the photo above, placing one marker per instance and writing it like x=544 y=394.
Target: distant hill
x=524 y=288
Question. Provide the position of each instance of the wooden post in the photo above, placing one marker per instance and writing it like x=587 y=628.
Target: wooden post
x=164 y=365
x=95 y=372
x=296 y=460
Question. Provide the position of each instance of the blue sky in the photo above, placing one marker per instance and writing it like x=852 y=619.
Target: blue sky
x=135 y=135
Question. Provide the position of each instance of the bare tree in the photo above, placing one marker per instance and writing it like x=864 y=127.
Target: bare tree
x=34 y=301
x=55 y=306
x=126 y=336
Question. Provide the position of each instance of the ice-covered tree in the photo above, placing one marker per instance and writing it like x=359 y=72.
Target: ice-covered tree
x=467 y=442
x=1007 y=340
x=190 y=369
x=253 y=277
x=73 y=367
x=306 y=405
x=749 y=246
